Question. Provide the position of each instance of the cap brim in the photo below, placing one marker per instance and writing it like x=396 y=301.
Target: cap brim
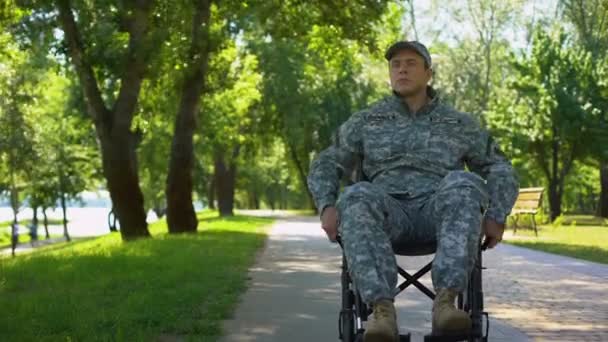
x=400 y=46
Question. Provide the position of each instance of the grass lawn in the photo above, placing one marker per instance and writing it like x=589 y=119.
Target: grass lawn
x=26 y=222
x=24 y=237
x=582 y=237
x=105 y=290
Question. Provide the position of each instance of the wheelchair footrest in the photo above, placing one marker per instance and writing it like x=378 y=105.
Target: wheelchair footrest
x=445 y=338
x=404 y=338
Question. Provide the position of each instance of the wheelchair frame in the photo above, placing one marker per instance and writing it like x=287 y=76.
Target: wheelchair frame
x=354 y=312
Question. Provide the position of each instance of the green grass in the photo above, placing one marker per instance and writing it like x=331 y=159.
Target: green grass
x=26 y=222
x=24 y=237
x=105 y=290
x=583 y=240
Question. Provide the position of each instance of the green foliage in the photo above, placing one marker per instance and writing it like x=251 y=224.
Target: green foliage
x=545 y=113
x=293 y=19
x=583 y=188
x=471 y=72
x=459 y=74
x=68 y=161
x=48 y=147
x=283 y=75
x=265 y=180
x=314 y=81
x=155 y=125
x=17 y=81
x=228 y=105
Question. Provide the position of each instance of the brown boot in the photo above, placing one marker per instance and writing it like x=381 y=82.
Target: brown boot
x=447 y=320
x=383 y=326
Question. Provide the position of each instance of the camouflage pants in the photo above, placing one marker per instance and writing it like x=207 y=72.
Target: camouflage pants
x=371 y=220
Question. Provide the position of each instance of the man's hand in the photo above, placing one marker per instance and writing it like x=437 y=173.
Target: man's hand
x=492 y=231
x=329 y=222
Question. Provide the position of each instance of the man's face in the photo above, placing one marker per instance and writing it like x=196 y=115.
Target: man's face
x=408 y=74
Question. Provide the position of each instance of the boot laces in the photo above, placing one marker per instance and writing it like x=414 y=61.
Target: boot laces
x=382 y=311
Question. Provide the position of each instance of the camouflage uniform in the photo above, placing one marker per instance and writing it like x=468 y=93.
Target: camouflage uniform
x=416 y=190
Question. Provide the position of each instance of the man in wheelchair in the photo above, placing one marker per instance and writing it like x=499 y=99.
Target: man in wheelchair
x=413 y=150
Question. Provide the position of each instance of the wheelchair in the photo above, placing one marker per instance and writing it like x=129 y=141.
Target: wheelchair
x=354 y=312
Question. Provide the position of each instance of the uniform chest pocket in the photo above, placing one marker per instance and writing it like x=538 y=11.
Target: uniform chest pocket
x=447 y=137
x=411 y=137
x=377 y=140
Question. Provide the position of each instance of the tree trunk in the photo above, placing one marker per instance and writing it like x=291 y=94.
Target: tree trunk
x=555 y=200
x=34 y=227
x=555 y=195
x=113 y=126
x=120 y=170
x=35 y=215
x=253 y=201
x=180 y=210
x=65 y=216
x=256 y=200
x=225 y=177
x=14 y=196
x=271 y=198
x=301 y=173
x=413 y=20
x=46 y=224
x=603 y=202
x=211 y=193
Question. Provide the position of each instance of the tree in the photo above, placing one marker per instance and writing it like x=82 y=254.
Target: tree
x=546 y=112
x=231 y=117
x=232 y=17
x=155 y=147
x=266 y=180
x=314 y=83
x=469 y=73
x=113 y=119
x=16 y=146
x=590 y=18
x=64 y=144
x=180 y=211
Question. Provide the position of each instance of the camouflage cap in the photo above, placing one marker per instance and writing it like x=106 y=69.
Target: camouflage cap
x=413 y=45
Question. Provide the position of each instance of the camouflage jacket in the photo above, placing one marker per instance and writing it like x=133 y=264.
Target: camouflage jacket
x=408 y=155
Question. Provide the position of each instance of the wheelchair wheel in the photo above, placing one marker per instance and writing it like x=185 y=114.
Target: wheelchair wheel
x=471 y=301
x=353 y=312
x=346 y=321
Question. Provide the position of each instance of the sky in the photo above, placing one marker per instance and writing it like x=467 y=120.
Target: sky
x=434 y=21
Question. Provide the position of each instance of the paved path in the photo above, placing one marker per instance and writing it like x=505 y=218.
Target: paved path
x=295 y=290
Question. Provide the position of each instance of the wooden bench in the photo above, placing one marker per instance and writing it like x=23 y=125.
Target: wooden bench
x=527 y=203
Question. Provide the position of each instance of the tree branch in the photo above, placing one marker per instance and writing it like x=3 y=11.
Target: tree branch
x=413 y=18
x=541 y=158
x=569 y=162
x=194 y=81
x=135 y=64
x=96 y=106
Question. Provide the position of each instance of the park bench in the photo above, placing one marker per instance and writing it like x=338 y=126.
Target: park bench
x=527 y=203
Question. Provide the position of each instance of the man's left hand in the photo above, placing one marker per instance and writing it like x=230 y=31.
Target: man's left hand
x=493 y=232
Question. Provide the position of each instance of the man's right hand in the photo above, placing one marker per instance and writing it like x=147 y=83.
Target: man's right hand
x=329 y=222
